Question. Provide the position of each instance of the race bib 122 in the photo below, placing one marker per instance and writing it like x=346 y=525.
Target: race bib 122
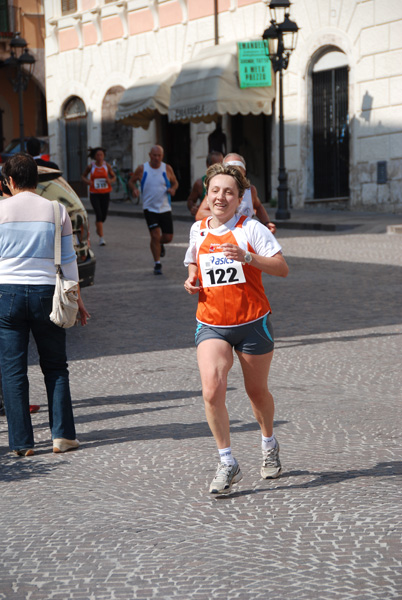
x=217 y=270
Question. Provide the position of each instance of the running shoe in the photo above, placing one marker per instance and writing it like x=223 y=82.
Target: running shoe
x=63 y=445
x=271 y=465
x=158 y=269
x=33 y=408
x=102 y=241
x=163 y=251
x=225 y=477
x=24 y=452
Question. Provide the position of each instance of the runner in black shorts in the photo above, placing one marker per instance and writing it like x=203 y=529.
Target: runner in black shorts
x=162 y=220
x=99 y=175
x=158 y=185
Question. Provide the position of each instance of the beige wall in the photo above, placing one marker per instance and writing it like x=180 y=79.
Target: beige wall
x=106 y=45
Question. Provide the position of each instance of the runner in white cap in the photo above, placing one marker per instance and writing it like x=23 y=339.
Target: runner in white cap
x=251 y=204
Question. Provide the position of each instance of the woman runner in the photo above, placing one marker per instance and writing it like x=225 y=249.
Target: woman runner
x=226 y=256
x=101 y=177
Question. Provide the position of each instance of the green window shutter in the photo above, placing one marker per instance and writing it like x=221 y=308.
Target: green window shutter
x=4 y=24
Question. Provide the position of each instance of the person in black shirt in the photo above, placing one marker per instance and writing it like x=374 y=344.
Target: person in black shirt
x=33 y=148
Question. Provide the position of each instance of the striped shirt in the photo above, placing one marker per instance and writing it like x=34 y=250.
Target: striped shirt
x=27 y=241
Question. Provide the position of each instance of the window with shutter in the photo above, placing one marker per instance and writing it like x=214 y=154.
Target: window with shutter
x=4 y=24
x=68 y=6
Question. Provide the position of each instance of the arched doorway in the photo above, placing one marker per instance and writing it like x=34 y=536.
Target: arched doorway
x=331 y=126
x=33 y=110
x=75 y=118
x=116 y=138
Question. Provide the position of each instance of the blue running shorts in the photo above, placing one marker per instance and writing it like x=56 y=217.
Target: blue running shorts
x=252 y=338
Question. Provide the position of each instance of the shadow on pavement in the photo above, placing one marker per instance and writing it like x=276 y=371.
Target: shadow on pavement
x=323 y=296
x=338 y=338
x=174 y=431
x=139 y=398
x=383 y=469
x=318 y=297
x=111 y=414
x=21 y=468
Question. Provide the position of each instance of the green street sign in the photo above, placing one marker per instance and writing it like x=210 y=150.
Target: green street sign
x=254 y=64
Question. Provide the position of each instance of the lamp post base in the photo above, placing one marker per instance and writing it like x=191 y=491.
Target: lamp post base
x=282 y=214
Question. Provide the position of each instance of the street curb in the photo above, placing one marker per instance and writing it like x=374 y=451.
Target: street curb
x=279 y=224
x=394 y=229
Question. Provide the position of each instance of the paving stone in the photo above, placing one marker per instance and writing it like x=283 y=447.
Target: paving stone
x=128 y=515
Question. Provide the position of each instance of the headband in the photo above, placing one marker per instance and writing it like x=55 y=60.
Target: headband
x=235 y=163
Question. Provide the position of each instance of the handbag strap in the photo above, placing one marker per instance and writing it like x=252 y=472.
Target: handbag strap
x=57 y=234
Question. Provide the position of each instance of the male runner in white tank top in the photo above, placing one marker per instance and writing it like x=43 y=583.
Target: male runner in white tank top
x=158 y=184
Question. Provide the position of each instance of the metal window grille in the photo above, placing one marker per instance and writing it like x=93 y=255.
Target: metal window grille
x=331 y=133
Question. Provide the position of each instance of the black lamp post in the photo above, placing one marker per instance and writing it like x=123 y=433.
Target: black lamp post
x=20 y=65
x=284 y=37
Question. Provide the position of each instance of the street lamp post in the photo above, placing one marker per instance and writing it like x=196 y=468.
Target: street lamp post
x=284 y=35
x=19 y=58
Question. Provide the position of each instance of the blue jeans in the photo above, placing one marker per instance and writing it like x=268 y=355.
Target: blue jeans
x=25 y=308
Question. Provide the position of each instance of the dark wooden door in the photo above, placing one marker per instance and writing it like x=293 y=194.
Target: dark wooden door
x=76 y=144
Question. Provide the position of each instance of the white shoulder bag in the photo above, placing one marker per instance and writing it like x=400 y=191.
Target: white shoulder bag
x=65 y=299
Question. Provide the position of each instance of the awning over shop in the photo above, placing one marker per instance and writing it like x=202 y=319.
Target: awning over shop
x=207 y=86
x=140 y=103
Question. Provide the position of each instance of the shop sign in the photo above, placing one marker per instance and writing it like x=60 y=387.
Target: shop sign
x=254 y=64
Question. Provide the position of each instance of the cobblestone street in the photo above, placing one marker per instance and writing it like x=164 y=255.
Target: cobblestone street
x=128 y=515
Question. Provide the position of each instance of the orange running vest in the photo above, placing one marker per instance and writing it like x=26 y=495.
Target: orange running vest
x=223 y=299
x=99 y=183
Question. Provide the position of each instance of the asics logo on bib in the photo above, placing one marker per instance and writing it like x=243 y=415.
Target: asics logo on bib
x=216 y=260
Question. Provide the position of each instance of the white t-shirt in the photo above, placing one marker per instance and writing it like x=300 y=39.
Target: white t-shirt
x=257 y=235
x=246 y=204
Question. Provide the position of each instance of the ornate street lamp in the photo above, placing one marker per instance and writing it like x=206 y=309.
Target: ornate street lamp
x=283 y=37
x=20 y=65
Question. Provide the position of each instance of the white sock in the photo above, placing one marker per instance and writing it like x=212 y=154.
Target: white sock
x=226 y=456
x=268 y=442
x=157 y=262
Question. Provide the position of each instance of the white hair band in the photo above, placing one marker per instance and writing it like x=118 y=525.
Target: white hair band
x=235 y=163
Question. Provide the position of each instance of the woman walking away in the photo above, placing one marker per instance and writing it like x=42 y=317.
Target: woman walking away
x=101 y=177
x=226 y=257
x=27 y=280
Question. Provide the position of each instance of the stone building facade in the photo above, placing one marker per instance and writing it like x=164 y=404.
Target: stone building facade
x=342 y=92
x=27 y=18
